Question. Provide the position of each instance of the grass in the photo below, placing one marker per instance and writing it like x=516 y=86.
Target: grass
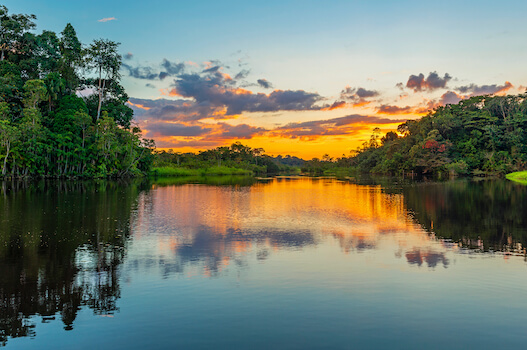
x=212 y=171
x=229 y=180
x=519 y=176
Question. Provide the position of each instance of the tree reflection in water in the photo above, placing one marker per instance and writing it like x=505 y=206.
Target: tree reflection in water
x=486 y=215
x=61 y=245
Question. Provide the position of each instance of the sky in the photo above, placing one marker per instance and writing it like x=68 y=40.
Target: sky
x=304 y=78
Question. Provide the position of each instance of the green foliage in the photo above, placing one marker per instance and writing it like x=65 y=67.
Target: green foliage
x=45 y=129
x=105 y=61
x=212 y=171
x=35 y=92
x=519 y=176
x=237 y=159
x=478 y=136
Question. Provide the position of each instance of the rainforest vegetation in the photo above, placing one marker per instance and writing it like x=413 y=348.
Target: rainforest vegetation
x=62 y=108
x=63 y=113
x=482 y=135
x=237 y=159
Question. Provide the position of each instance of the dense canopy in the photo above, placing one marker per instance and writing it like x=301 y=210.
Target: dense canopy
x=479 y=135
x=62 y=108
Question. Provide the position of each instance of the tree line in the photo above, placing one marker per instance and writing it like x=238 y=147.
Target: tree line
x=482 y=135
x=47 y=128
x=236 y=156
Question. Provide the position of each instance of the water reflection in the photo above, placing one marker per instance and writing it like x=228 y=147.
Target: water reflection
x=418 y=256
x=479 y=215
x=68 y=246
x=61 y=244
x=206 y=228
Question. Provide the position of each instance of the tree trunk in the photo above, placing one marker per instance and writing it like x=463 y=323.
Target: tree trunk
x=4 y=168
x=100 y=94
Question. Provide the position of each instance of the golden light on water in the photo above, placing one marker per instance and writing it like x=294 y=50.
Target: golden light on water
x=225 y=222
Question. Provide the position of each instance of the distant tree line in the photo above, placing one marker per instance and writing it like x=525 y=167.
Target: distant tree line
x=235 y=156
x=46 y=128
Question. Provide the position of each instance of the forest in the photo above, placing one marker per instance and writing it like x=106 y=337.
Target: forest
x=482 y=135
x=479 y=136
x=62 y=108
x=63 y=113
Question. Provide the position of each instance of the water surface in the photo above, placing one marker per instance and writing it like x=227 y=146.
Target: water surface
x=285 y=263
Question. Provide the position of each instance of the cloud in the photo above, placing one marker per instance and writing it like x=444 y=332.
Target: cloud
x=242 y=74
x=155 y=72
x=394 y=110
x=236 y=132
x=358 y=96
x=336 y=105
x=198 y=134
x=172 y=68
x=175 y=129
x=179 y=124
x=450 y=97
x=146 y=73
x=348 y=125
x=357 y=93
x=170 y=110
x=423 y=108
x=216 y=89
x=432 y=82
x=212 y=69
x=107 y=19
x=209 y=92
x=478 y=90
x=264 y=83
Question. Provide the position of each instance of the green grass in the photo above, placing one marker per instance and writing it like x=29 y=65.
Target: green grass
x=519 y=176
x=212 y=171
x=173 y=171
x=229 y=180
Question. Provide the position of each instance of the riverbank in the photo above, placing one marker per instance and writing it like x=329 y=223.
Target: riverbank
x=519 y=176
x=211 y=171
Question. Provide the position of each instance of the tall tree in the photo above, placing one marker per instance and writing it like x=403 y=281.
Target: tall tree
x=106 y=61
x=48 y=52
x=72 y=57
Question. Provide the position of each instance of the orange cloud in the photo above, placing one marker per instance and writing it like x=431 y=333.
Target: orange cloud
x=335 y=105
x=478 y=90
x=240 y=91
x=344 y=126
x=361 y=103
x=137 y=105
x=504 y=88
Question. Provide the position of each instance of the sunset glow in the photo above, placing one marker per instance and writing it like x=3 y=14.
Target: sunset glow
x=274 y=86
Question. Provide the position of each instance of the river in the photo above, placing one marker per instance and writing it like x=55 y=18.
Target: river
x=289 y=263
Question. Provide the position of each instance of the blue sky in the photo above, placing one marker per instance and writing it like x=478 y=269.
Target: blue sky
x=317 y=47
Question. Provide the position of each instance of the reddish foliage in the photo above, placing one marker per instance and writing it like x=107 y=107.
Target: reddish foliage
x=433 y=145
